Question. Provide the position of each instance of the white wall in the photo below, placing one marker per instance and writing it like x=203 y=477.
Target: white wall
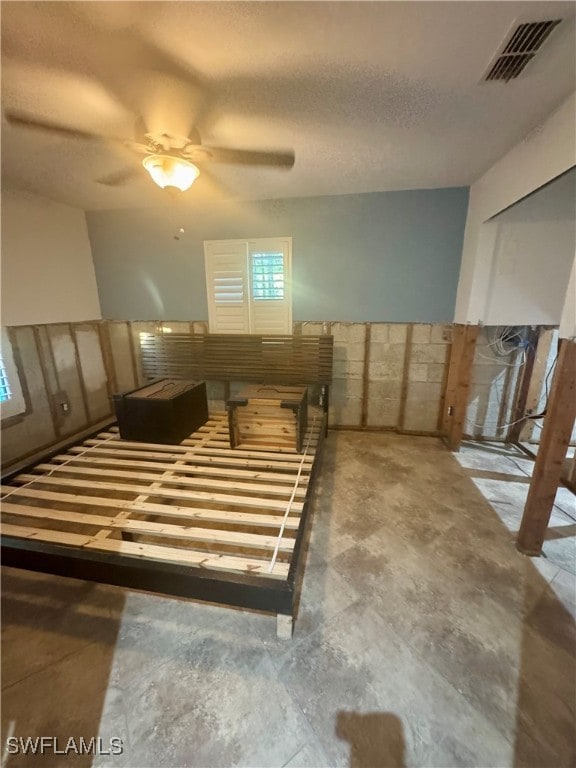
x=47 y=269
x=531 y=268
x=544 y=154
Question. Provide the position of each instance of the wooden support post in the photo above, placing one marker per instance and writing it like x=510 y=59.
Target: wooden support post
x=459 y=382
x=558 y=425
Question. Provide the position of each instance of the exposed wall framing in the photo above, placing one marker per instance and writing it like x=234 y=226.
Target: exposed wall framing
x=386 y=376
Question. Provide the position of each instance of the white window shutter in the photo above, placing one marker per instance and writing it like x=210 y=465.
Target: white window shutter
x=269 y=265
x=249 y=285
x=227 y=286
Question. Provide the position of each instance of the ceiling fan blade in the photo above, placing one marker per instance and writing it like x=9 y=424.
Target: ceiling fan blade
x=121 y=177
x=24 y=121
x=251 y=157
x=210 y=187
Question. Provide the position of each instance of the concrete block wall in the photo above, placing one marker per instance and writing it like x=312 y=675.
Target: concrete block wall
x=387 y=375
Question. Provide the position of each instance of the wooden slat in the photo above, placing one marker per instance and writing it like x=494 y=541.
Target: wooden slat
x=185 y=447
x=82 y=484
x=206 y=535
x=212 y=516
x=172 y=493
x=152 y=551
x=191 y=469
x=283 y=464
x=267 y=489
x=558 y=426
x=235 y=357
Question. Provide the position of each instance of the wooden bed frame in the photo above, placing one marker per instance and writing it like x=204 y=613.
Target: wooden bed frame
x=197 y=520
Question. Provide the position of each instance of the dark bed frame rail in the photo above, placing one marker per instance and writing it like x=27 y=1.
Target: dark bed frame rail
x=243 y=591
x=301 y=360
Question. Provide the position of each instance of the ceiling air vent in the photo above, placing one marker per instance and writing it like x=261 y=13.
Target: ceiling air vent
x=524 y=43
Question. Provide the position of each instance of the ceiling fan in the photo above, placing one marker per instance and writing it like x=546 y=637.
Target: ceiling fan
x=173 y=162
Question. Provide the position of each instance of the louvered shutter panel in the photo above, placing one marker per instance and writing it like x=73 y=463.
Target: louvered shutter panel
x=227 y=287
x=270 y=286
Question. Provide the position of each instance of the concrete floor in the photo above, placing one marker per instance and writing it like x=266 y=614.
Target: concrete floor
x=423 y=638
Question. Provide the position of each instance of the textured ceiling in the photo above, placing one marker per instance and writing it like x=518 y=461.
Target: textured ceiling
x=371 y=96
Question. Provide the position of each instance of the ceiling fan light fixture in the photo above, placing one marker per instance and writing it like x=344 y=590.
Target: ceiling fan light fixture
x=168 y=171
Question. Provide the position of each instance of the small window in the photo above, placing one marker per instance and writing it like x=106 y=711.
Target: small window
x=249 y=285
x=5 y=391
x=267 y=276
x=12 y=402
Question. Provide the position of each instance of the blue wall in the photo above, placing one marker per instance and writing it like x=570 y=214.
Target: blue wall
x=385 y=256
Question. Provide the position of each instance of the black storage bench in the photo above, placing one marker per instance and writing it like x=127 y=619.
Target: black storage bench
x=167 y=411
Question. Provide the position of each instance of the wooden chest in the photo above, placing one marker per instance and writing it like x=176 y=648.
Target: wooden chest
x=270 y=415
x=164 y=412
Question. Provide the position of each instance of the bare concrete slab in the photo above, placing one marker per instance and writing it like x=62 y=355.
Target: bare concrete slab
x=423 y=637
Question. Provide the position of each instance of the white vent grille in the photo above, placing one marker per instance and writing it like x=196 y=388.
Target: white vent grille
x=523 y=44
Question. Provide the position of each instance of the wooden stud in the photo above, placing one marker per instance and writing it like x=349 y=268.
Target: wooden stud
x=46 y=381
x=135 y=371
x=511 y=372
x=83 y=391
x=458 y=332
x=442 y=403
x=107 y=358
x=522 y=389
x=366 y=374
x=533 y=398
x=556 y=433
x=52 y=356
x=462 y=387
x=405 y=377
